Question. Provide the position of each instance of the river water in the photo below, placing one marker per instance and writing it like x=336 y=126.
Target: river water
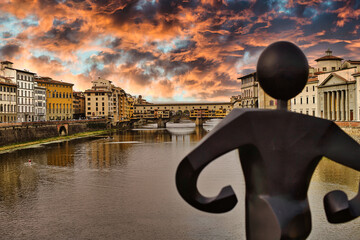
x=123 y=187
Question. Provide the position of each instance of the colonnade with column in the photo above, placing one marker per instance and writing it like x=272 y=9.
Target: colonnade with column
x=336 y=105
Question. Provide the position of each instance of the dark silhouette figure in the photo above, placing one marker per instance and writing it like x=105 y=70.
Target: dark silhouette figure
x=279 y=151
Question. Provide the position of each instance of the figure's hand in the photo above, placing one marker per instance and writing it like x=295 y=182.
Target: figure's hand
x=339 y=209
x=186 y=179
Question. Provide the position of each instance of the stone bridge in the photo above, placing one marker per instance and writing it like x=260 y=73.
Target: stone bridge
x=198 y=112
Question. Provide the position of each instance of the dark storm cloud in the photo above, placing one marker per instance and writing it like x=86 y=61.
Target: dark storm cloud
x=237 y=6
x=109 y=58
x=173 y=6
x=322 y=22
x=9 y=51
x=115 y=43
x=226 y=80
x=260 y=7
x=194 y=46
x=280 y=25
x=203 y=65
x=246 y=71
x=6 y=34
x=65 y=32
x=135 y=55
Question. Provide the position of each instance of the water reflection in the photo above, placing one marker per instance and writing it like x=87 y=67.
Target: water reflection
x=122 y=186
x=61 y=154
x=335 y=174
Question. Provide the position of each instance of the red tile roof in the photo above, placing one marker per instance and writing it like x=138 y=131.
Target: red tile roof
x=328 y=57
x=96 y=91
x=312 y=79
x=48 y=80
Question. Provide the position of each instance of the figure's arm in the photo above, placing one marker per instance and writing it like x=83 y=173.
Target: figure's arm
x=228 y=135
x=341 y=148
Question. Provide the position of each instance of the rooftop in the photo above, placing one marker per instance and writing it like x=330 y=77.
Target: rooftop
x=328 y=57
x=51 y=81
x=19 y=70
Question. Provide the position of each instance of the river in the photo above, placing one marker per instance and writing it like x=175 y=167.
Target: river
x=123 y=187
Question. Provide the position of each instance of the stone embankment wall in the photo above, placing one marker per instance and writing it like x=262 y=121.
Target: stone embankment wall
x=26 y=132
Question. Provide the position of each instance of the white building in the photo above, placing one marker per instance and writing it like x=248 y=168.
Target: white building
x=306 y=101
x=40 y=102
x=25 y=90
x=339 y=88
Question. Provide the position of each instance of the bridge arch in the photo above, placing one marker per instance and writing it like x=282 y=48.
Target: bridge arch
x=62 y=131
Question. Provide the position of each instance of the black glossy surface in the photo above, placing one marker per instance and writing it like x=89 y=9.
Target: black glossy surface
x=279 y=151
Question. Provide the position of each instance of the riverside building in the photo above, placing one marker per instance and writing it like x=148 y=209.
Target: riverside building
x=40 y=102
x=104 y=100
x=25 y=90
x=339 y=88
x=79 y=105
x=306 y=101
x=252 y=95
x=7 y=100
x=59 y=97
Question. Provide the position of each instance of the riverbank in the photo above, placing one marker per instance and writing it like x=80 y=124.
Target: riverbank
x=17 y=146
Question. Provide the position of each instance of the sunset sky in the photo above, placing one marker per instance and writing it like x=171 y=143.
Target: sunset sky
x=169 y=50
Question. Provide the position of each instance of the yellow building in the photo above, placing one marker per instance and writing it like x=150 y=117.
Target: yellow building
x=130 y=107
x=59 y=98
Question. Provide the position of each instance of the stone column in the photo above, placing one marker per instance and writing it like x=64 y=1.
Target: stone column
x=328 y=106
x=346 y=117
x=341 y=106
x=336 y=105
x=324 y=105
x=331 y=105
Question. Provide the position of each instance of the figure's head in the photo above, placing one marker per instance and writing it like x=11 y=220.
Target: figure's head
x=282 y=70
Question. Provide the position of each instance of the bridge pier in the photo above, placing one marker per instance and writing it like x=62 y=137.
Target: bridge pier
x=199 y=121
x=161 y=123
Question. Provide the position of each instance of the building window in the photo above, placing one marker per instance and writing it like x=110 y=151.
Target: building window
x=324 y=69
x=294 y=101
x=313 y=99
x=301 y=100
x=271 y=103
x=307 y=100
x=307 y=89
x=333 y=68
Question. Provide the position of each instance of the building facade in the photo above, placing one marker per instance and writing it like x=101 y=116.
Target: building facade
x=98 y=103
x=40 y=102
x=99 y=100
x=59 y=95
x=79 y=105
x=25 y=90
x=249 y=91
x=339 y=88
x=8 y=90
x=104 y=100
x=306 y=102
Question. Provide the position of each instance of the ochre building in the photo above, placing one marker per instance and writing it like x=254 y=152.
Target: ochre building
x=59 y=96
